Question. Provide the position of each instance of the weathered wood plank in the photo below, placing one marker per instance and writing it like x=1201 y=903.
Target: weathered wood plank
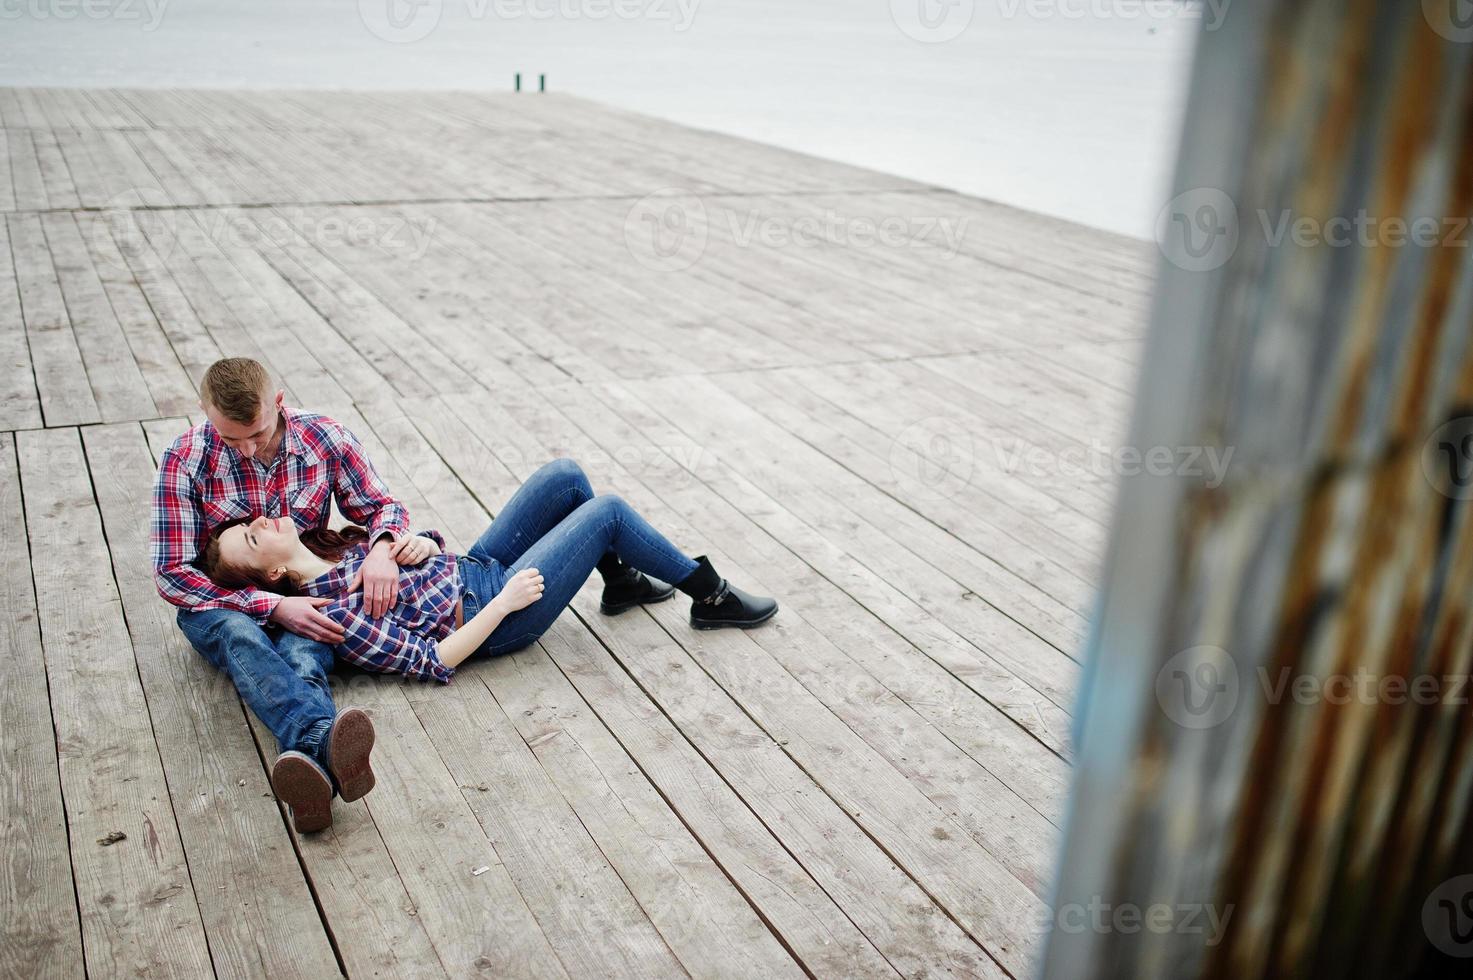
x=38 y=906
x=20 y=405
x=117 y=383
x=137 y=903
x=61 y=375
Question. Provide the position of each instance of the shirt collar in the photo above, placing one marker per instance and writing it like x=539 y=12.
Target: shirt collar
x=292 y=443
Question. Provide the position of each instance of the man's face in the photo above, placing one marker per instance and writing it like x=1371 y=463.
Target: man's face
x=248 y=438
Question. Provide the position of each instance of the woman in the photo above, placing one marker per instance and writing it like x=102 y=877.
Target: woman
x=499 y=596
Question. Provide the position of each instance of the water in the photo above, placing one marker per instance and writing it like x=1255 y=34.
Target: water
x=1069 y=107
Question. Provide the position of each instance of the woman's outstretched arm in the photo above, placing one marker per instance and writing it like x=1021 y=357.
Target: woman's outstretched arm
x=523 y=589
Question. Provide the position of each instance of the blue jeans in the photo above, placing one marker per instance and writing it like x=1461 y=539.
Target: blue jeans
x=555 y=524
x=281 y=676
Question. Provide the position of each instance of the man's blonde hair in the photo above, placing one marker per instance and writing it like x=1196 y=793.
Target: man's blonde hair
x=236 y=386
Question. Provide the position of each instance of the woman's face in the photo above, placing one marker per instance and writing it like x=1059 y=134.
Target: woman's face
x=264 y=545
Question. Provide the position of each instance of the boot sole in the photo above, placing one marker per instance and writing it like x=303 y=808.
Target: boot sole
x=348 y=749
x=744 y=624
x=305 y=791
x=615 y=610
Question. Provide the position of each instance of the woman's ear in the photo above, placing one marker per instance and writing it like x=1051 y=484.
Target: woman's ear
x=276 y=574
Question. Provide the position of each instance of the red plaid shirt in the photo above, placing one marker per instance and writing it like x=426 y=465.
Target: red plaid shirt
x=406 y=640
x=203 y=483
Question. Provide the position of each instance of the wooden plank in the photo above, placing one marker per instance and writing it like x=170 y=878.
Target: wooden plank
x=136 y=900
x=20 y=405
x=117 y=383
x=61 y=376
x=7 y=181
x=169 y=385
x=590 y=918
x=705 y=920
x=25 y=172
x=61 y=189
x=42 y=935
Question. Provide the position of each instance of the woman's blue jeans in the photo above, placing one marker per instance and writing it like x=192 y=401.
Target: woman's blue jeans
x=555 y=524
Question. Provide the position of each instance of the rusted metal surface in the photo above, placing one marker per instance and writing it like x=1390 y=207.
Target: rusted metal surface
x=1276 y=728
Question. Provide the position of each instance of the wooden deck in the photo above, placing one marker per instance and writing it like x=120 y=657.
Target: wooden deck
x=897 y=433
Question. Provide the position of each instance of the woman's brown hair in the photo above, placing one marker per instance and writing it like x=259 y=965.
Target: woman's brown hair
x=323 y=542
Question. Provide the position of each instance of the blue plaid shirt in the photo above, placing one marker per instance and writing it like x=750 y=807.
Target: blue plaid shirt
x=404 y=640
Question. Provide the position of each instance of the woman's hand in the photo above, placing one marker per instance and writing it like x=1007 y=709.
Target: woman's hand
x=523 y=589
x=414 y=549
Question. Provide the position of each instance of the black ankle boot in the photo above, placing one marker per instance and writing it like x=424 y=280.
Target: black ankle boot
x=626 y=587
x=716 y=603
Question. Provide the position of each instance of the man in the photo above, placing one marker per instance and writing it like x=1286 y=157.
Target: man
x=253 y=457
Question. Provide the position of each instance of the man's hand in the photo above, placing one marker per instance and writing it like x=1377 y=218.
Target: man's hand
x=379 y=578
x=414 y=549
x=299 y=613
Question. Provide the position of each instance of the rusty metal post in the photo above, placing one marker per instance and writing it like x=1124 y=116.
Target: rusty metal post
x=1275 y=740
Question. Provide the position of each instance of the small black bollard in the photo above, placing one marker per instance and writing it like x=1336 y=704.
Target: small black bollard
x=519 y=82
x=542 y=83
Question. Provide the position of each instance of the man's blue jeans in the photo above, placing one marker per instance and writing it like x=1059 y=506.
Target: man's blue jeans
x=281 y=676
x=555 y=524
